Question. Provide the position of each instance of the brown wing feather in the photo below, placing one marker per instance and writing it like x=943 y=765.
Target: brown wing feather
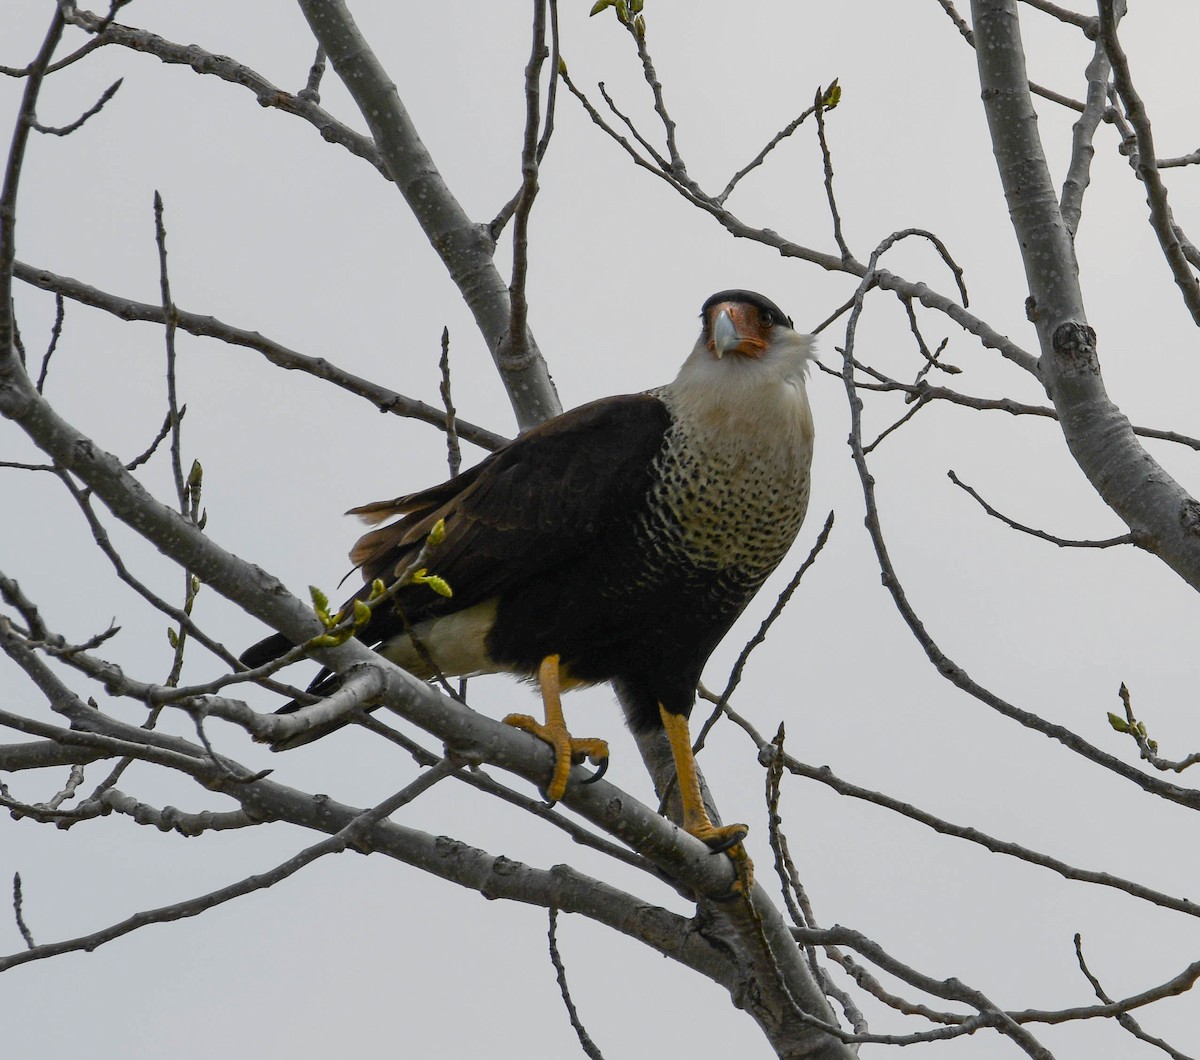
x=550 y=495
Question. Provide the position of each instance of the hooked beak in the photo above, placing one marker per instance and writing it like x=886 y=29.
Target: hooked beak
x=725 y=337
x=736 y=329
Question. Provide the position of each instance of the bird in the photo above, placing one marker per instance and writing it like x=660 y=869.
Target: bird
x=617 y=542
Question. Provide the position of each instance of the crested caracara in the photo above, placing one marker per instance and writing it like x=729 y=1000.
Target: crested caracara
x=617 y=542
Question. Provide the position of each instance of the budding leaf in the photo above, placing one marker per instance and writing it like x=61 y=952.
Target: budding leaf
x=437 y=535
x=362 y=615
x=172 y=639
x=599 y=6
x=832 y=95
x=331 y=640
x=438 y=585
x=1117 y=722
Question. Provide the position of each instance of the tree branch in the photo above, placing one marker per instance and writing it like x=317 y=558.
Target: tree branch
x=210 y=327
x=1156 y=508
x=466 y=248
x=1146 y=162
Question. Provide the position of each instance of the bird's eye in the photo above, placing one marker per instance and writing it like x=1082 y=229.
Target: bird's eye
x=767 y=318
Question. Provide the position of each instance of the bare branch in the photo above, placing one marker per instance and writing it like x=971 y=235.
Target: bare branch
x=1079 y=169
x=516 y=348
x=923 y=390
x=1123 y=1018
x=335 y=844
x=761 y=157
x=585 y=1042
x=55 y=335
x=1147 y=748
x=735 y=675
x=1155 y=507
x=820 y=106
x=209 y=327
x=92 y=111
x=465 y=248
x=1062 y=542
x=19 y=912
x=1192 y=159
x=12 y=178
x=968 y=35
x=1145 y=163
x=311 y=92
x=1084 y=22
x=453 y=452
x=824 y=775
x=204 y=62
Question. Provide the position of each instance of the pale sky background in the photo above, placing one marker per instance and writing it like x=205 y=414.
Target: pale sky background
x=272 y=229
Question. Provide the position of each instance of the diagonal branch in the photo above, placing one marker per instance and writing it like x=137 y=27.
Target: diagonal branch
x=1156 y=508
x=26 y=117
x=1062 y=542
x=210 y=327
x=466 y=248
x=1146 y=164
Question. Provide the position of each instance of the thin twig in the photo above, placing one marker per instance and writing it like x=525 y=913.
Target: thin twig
x=1083 y=132
x=819 y=107
x=919 y=404
x=942 y=663
x=19 y=912
x=1147 y=748
x=1061 y=542
x=168 y=312
x=55 y=335
x=1146 y=164
x=311 y=92
x=453 y=451
x=1123 y=1018
x=351 y=835
x=26 y=117
x=209 y=327
x=1038 y=90
x=761 y=157
x=516 y=346
x=735 y=675
x=560 y=972
x=91 y=112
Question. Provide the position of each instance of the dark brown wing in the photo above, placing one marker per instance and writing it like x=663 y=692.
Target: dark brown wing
x=551 y=495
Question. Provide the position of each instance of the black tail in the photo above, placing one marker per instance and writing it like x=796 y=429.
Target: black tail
x=266 y=651
x=323 y=684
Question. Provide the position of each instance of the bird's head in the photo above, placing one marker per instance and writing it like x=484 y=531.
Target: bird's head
x=744 y=333
x=747 y=369
x=740 y=322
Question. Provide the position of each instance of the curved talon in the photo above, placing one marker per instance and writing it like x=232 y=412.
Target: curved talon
x=725 y=839
x=601 y=769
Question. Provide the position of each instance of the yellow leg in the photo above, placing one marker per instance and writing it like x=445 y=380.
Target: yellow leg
x=567 y=750
x=695 y=817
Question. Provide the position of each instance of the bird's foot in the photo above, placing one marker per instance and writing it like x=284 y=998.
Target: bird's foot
x=568 y=751
x=727 y=839
x=718 y=838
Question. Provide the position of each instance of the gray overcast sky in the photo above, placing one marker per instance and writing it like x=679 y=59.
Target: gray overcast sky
x=271 y=229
